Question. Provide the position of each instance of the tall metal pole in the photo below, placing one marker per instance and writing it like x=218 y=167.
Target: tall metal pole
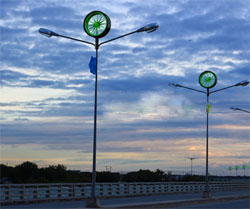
x=207 y=189
x=95 y=125
x=191 y=166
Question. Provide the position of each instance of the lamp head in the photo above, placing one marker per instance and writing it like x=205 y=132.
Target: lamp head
x=148 y=28
x=174 y=85
x=233 y=108
x=47 y=33
x=242 y=83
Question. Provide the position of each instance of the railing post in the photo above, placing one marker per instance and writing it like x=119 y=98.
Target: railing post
x=7 y=193
x=110 y=189
x=72 y=190
x=126 y=188
x=47 y=191
x=118 y=189
x=134 y=188
x=147 y=188
x=82 y=190
x=35 y=192
x=59 y=192
x=165 y=187
x=21 y=192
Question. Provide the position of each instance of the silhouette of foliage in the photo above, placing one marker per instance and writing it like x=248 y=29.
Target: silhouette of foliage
x=28 y=172
x=145 y=176
x=107 y=176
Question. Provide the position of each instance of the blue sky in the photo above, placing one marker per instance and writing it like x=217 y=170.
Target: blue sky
x=47 y=94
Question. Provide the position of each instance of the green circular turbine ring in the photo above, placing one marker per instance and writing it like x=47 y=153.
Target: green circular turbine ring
x=207 y=79
x=96 y=24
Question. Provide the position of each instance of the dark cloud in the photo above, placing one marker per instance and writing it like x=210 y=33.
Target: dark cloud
x=8 y=75
x=21 y=119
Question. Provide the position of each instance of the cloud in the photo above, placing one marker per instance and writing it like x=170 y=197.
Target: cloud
x=47 y=94
x=21 y=119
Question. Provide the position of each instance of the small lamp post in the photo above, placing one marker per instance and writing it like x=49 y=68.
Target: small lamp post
x=236 y=169
x=192 y=158
x=244 y=168
x=230 y=168
x=208 y=80
x=97 y=24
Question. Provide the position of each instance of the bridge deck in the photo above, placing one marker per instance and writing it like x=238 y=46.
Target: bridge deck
x=134 y=201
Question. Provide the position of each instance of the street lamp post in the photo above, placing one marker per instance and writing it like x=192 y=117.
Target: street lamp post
x=230 y=168
x=97 y=24
x=236 y=170
x=244 y=168
x=208 y=79
x=192 y=158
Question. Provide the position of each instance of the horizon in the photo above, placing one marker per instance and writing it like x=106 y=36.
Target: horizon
x=222 y=172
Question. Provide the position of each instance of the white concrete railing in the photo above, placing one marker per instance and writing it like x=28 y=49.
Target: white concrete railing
x=12 y=193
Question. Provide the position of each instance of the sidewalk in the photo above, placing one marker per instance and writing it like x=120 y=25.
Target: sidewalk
x=153 y=201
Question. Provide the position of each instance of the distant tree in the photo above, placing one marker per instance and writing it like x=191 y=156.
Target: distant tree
x=76 y=177
x=107 y=176
x=193 y=178
x=4 y=170
x=144 y=176
x=27 y=172
x=54 y=173
x=130 y=177
x=7 y=174
x=160 y=175
x=61 y=171
x=168 y=176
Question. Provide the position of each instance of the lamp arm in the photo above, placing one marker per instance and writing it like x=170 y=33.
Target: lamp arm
x=117 y=38
x=243 y=110
x=222 y=89
x=75 y=39
x=185 y=87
